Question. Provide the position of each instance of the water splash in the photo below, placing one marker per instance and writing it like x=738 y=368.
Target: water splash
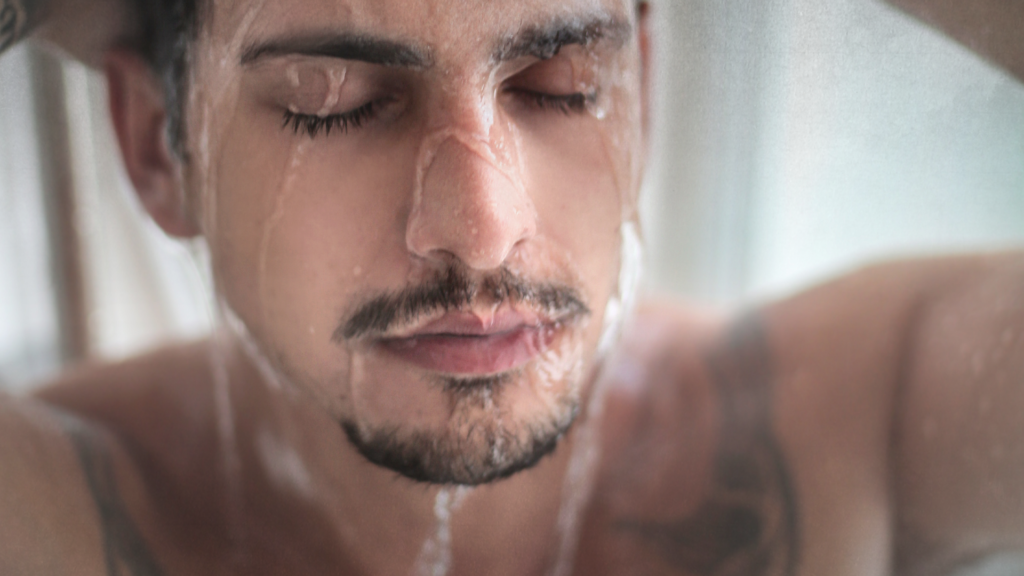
x=435 y=558
x=228 y=444
x=621 y=304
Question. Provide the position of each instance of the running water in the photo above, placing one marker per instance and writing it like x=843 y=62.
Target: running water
x=579 y=481
x=228 y=440
x=586 y=453
x=435 y=557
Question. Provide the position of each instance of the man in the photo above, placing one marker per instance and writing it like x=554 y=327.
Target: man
x=420 y=219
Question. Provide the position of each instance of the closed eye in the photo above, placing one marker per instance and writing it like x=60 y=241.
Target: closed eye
x=576 y=103
x=312 y=124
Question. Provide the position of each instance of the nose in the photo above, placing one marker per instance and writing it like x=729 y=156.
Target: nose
x=469 y=208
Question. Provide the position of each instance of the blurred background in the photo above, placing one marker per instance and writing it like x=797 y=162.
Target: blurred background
x=793 y=140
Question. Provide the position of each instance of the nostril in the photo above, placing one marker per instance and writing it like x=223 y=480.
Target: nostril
x=467 y=205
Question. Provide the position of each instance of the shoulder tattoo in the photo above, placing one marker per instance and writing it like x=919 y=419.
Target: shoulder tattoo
x=748 y=524
x=125 y=549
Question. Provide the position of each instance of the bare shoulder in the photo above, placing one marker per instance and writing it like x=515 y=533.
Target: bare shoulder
x=48 y=524
x=135 y=443
x=896 y=404
x=158 y=410
x=67 y=478
x=769 y=441
x=162 y=390
x=655 y=378
x=698 y=482
x=958 y=436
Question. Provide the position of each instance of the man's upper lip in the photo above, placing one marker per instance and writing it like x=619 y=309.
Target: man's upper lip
x=469 y=323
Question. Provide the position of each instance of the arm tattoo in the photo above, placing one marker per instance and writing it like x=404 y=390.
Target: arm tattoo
x=124 y=548
x=748 y=524
x=17 y=17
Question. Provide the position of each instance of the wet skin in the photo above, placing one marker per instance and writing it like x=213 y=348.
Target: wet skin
x=415 y=214
x=842 y=431
x=332 y=166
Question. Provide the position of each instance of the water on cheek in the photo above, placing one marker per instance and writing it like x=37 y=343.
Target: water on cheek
x=288 y=188
x=357 y=377
x=619 y=115
x=622 y=302
x=213 y=99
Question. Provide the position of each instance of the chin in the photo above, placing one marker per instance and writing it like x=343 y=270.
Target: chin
x=495 y=427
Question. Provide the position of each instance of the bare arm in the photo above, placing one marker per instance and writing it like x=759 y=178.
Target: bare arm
x=914 y=373
x=900 y=408
x=959 y=438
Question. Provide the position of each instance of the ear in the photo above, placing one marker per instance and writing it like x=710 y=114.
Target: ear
x=140 y=121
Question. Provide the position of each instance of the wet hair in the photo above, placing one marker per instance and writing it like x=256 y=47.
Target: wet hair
x=167 y=29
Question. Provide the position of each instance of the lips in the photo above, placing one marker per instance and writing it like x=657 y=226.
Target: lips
x=464 y=343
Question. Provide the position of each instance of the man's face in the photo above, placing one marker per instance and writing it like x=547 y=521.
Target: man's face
x=415 y=208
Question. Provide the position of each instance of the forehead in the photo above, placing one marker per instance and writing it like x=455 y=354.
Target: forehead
x=441 y=26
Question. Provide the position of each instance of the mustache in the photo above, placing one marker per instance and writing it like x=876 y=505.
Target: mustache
x=453 y=289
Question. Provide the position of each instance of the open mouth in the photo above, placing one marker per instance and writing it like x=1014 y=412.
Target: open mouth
x=465 y=343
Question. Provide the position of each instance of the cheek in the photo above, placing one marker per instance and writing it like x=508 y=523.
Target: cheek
x=303 y=226
x=579 y=201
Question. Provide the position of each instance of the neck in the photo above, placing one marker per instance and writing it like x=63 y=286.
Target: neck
x=305 y=487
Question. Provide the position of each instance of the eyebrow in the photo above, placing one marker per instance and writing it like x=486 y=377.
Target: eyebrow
x=545 y=41
x=345 y=46
x=539 y=41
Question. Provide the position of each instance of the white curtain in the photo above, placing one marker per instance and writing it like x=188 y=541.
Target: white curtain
x=802 y=138
x=29 y=347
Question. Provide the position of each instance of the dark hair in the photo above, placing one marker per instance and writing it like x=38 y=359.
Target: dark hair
x=167 y=29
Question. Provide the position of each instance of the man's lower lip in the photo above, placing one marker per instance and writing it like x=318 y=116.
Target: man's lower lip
x=472 y=355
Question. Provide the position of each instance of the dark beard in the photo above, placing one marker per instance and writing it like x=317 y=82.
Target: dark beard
x=474 y=448
x=479 y=443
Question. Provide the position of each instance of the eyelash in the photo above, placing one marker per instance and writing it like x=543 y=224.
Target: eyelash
x=312 y=124
x=568 y=104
